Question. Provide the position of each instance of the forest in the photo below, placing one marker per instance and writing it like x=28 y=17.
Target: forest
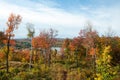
x=87 y=56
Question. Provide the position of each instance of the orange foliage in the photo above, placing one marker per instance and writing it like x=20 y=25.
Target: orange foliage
x=12 y=49
x=26 y=54
x=12 y=24
x=2 y=55
x=76 y=43
x=46 y=39
x=12 y=42
x=92 y=51
x=40 y=42
x=72 y=47
x=66 y=42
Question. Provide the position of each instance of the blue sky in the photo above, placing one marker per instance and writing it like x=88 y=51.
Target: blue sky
x=66 y=16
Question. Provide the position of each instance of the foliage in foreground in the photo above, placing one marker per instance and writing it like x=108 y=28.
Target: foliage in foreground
x=63 y=69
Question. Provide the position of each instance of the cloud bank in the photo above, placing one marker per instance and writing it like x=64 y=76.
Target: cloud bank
x=51 y=15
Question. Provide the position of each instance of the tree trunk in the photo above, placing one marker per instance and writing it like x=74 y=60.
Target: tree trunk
x=30 y=55
x=30 y=59
x=45 y=56
x=77 y=59
x=86 y=52
x=49 y=58
x=94 y=64
x=7 y=53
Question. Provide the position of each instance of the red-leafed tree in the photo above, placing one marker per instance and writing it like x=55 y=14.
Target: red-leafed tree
x=45 y=41
x=90 y=42
x=77 y=49
x=85 y=43
x=12 y=24
x=12 y=42
x=89 y=38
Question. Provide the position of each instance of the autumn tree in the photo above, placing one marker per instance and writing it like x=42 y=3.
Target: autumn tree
x=104 y=69
x=66 y=52
x=85 y=45
x=31 y=32
x=66 y=46
x=12 y=24
x=114 y=42
x=77 y=49
x=90 y=43
x=45 y=41
x=89 y=37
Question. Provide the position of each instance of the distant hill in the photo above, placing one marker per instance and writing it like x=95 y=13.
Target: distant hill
x=25 y=43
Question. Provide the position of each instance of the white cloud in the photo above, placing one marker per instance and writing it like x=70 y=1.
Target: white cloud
x=105 y=17
x=42 y=14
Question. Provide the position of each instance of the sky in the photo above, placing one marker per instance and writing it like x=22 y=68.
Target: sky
x=66 y=16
